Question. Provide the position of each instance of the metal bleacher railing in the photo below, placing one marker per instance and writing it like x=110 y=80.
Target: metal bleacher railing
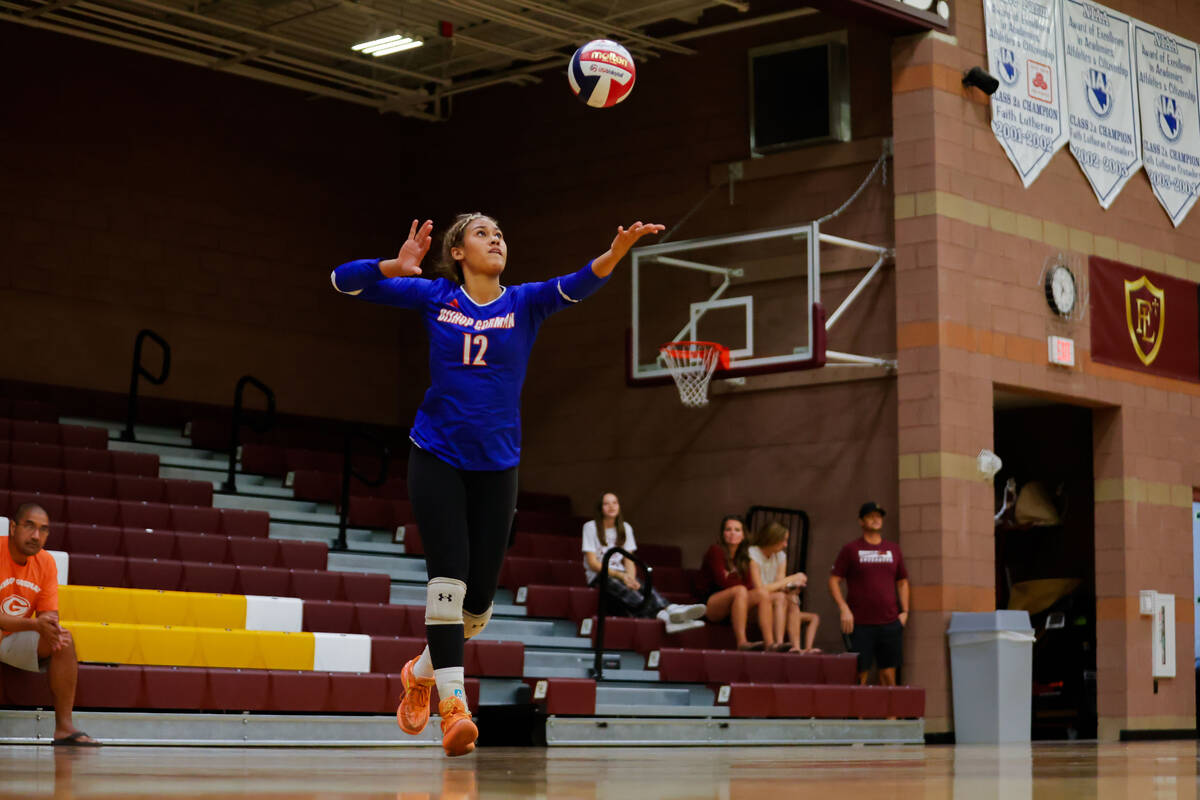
x=138 y=371
x=257 y=424
x=647 y=574
x=349 y=473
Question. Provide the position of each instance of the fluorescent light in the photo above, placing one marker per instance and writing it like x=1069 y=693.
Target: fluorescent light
x=386 y=45
x=398 y=47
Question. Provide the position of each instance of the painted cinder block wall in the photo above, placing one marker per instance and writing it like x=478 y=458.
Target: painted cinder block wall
x=971 y=317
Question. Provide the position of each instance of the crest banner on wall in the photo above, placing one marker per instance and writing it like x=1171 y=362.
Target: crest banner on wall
x=1102 y=101
x=1023 y=46
x=1167 y=87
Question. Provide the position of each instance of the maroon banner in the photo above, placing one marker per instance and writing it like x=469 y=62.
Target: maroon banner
x=1144 y=320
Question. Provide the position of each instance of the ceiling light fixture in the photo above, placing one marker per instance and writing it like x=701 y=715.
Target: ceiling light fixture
x=387 y=45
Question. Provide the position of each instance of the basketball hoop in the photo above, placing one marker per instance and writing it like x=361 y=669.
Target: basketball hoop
x=692 y=364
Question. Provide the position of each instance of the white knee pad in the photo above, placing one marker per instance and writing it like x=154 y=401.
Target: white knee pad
x=443 y=601
x=475 y=623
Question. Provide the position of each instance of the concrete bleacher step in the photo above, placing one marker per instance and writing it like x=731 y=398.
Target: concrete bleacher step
x=643 y=730
x=281 y=508
x=654 y=694
x=409 y=568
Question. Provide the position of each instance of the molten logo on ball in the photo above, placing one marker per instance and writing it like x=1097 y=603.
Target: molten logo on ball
x=602 y=73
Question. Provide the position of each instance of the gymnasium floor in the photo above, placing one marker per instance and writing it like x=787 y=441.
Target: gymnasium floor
x=1156 y=770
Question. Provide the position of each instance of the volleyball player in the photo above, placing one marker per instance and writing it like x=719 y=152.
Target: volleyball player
x=462 y=468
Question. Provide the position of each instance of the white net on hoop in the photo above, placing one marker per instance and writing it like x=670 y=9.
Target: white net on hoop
x=692 y=364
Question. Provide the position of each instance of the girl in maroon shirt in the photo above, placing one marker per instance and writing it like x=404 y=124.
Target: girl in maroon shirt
x=727 y=567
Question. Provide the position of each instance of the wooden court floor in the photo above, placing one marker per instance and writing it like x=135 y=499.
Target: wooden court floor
x=1154 y=771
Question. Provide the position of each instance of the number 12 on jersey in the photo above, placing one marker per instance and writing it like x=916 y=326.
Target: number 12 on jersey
x=480 y=342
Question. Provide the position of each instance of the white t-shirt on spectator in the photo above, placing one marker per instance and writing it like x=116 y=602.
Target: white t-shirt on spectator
x=771 y=569
x=591 y=544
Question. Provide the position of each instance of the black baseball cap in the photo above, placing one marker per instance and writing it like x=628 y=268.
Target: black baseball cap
x=867 y=508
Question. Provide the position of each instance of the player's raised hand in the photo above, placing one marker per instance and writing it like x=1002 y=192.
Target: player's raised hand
x=627 y=237
x=407 y=262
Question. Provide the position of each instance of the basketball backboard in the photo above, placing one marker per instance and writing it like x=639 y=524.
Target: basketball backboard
x=757 y=293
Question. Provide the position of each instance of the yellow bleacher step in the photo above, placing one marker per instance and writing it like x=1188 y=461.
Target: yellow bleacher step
x=191 y=646
x=151 y=607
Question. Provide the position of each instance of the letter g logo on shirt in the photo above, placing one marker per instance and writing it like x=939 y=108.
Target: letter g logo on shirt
x=14 y=606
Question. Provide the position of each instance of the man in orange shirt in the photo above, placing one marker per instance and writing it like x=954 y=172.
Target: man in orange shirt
x=29 y=584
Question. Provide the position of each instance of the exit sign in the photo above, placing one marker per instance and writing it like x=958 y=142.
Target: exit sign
x=1062 y=351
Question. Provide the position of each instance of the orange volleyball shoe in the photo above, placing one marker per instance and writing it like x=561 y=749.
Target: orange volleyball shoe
x=413 y=711
x=458 y=731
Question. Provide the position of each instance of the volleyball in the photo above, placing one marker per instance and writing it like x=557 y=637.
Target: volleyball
x=602 y=73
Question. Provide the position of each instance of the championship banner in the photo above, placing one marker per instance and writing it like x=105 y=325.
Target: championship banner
x=1106 y=137
x=1144 y=320
x=1027 y=109
x=1167 y=72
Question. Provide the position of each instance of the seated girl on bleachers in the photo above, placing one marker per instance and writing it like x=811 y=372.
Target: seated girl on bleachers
x=780 y=610
x=726 y=569
x=623 y=585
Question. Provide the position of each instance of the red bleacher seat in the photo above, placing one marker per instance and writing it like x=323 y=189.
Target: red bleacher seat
x=366 y=587
x=547 y=601
x=253 y=552
x=174 y=688
x=544 y=545
x=238 y=690
x=494 y=659
x=54 y=504
x=581 y=602
x=82 y=436
x=263 y=459
x=88 y=484
x=138 y=543
x=565 y=696
x=661 y=555
x=299 y=458
x=29 y=431
x=208 y=577
x=108 y=686
x=129 y=463
x=319 y=487
x=22 y=688
x=328 y=616
x=303 y=555
x=35 y=479
x=832 y=702
x=751 y=700
x=89 y=570
x=152 y=573
x=839 y=668
x=188 y=493
x=681 y=666
x=567 y=572
x=373 y=512
x=906 y=702
x=141 y=514
x=32 y=454
x=383 y=619
x=869 y=702
x=202 y=547
x=85 y=459
x=97 y=539
x=769 y=667
x=722 y=666
x=311 y=584
x=391 y=653
x=792 y=701
x=268 y=581
x=132 y=487
x=238 y=522
x=350 y=692
x=195 y=519
x=413 y=545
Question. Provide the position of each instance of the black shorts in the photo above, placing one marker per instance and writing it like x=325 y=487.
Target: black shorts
x=881 y=645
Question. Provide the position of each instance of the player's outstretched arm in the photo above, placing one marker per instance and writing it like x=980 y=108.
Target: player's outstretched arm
x=365 y=277
x=626 y=238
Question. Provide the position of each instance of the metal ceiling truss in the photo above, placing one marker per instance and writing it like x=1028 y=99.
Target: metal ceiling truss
x=305 y=44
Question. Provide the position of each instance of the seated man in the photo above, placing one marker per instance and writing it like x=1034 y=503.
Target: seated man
x=29 y=584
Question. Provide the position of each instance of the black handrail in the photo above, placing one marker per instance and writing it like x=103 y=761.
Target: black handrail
x=138 y=371
x=257 y=425
x=796 y=521
x=601 y=583
x=348 y=472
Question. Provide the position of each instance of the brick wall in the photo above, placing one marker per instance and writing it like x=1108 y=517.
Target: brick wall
x=971 y=245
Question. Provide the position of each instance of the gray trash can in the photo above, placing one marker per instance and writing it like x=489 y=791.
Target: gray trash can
x=991 y=671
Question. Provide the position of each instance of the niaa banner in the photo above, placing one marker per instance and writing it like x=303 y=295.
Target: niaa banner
x=1027 y=109
x=1167 y=89
x=1106 y=137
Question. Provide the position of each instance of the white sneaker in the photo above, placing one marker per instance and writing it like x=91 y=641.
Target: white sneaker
x=682 y=613
x=678 y=627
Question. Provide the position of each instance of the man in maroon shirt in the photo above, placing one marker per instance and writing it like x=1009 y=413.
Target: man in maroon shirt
x=876 y=610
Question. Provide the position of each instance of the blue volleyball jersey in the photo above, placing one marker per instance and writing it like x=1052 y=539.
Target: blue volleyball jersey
x=471 y=414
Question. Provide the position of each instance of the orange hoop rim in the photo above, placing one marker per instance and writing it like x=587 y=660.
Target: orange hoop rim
x=686 y=349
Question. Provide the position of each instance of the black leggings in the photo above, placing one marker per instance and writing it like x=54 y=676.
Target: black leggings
x=464 y=517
